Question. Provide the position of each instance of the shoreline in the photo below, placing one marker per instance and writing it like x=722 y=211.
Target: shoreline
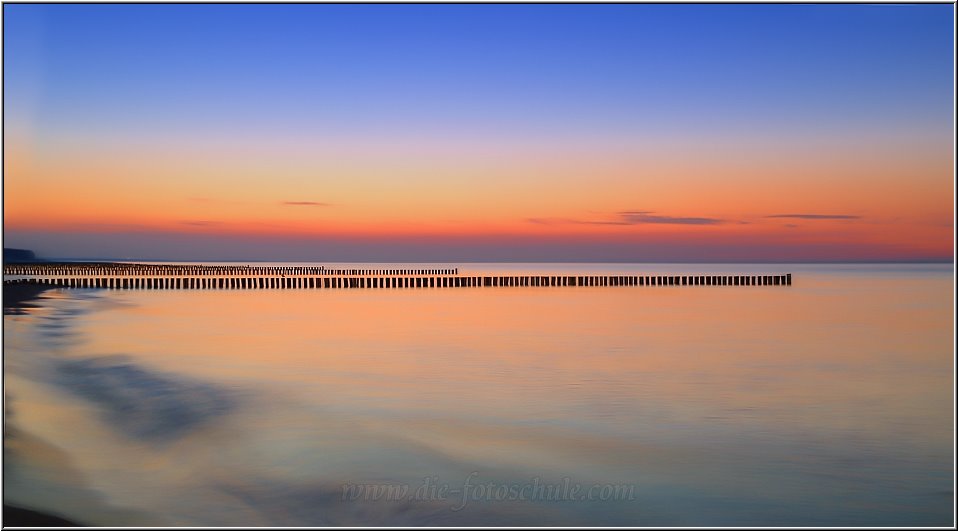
x=14 y=516
x=16 y=298
x=20 y=295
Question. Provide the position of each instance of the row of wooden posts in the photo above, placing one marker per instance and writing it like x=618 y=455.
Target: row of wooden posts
x=147 y=270
x=377 y=282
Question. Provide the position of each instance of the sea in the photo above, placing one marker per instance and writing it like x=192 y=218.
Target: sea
x=827 y=402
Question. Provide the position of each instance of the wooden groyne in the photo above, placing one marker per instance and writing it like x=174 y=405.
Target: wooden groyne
x=140 y=270
x=129 y=276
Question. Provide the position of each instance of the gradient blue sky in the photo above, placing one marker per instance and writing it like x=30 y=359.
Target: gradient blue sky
x=207 y=106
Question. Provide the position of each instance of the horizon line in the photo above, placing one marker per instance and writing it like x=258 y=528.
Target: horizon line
x=343 y=261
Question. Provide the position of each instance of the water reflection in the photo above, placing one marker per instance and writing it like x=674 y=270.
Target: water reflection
x=825 y=403
x=38 y=472
x=141 y=402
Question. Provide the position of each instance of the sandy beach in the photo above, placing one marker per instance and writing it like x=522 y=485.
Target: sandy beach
x=16 y=297
x=20 y=517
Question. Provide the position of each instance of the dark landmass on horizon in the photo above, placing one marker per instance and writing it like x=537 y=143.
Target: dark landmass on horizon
x=19 y=256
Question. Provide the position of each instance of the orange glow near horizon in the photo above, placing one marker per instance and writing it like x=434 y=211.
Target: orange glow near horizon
x=880 y=194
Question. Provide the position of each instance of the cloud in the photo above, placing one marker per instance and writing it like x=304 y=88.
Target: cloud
x=304 y=203
x=630 y=217
x=569 y=221
x=640 y=217
x=814 y=216
x=199 y=222
x=552 y=221
x=611 y=222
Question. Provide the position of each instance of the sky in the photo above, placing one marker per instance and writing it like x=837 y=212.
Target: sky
x=634 y=133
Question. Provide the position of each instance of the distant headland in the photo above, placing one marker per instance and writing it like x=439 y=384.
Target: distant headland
x=19 y=256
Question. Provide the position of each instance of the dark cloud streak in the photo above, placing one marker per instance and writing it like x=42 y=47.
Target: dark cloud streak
x=813 y=216
x=639 y=218
x=631 y=217
x=304 y=203
x=200 y=222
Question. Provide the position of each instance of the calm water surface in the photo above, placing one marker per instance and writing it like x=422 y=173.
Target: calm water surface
x=825 y=403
